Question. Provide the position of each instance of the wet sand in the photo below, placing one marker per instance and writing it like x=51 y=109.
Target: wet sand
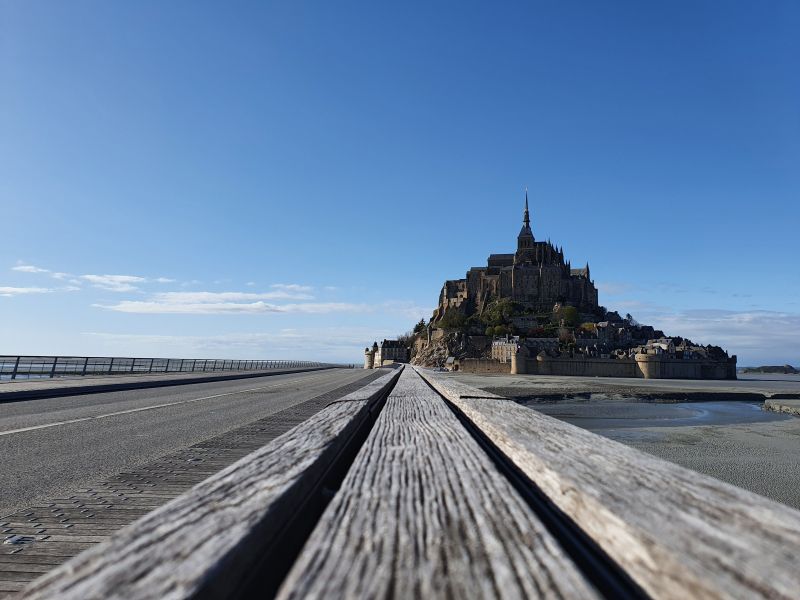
x=737 y=442
x=761 y=457
x=727 y=435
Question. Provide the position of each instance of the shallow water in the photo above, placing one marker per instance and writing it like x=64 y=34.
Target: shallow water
x=594 y=415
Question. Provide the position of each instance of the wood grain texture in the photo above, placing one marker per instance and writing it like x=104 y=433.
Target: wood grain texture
x=174 y=551
x=679 y=534
x=424 y=513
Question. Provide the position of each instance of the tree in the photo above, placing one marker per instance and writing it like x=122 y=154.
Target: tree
x=569 y=314
x=407 y=339
x=420 y=327
x=499 y=312
x=452 y=319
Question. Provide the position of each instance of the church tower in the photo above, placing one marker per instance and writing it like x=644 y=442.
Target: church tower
x=525 y=238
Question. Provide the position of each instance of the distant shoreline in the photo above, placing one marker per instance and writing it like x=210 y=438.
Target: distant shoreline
x=772 y=369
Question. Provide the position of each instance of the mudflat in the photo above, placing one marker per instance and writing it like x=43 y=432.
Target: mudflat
x=761 y=457
x=728 y=435
x=734 y=441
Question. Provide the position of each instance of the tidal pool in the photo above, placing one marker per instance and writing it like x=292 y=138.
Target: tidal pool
x=594 y=414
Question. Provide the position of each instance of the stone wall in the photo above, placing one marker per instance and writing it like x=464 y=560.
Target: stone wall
x=586 y=367
x=646 y=366
x=483 y=365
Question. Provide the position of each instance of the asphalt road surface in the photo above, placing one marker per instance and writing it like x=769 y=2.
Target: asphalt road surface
x=51 y=446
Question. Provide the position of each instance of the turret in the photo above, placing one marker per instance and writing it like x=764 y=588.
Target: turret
x=369 y=358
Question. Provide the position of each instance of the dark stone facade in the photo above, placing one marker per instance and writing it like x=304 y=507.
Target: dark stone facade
x=536 y=276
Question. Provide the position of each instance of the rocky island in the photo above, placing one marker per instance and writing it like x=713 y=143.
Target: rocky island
x=530 y=311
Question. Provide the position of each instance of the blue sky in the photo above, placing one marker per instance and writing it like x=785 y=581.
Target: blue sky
x=295 y=180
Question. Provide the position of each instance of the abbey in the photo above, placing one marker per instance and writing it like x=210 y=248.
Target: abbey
x=535 y=276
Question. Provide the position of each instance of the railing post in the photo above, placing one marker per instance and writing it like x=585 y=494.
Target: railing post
x=180 y=367
x=85 y=366
x=111 y=365
x=194 y=362
x=150 y=370
x=166 y=367
x=16 y=367
x=53 y=368
x=133 y=364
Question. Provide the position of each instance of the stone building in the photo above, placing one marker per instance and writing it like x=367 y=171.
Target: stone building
x=504 y=349
x=536 y=276
x=388 y=352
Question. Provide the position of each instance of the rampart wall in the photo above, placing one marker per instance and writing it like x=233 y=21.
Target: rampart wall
x=646 y=366
x=483 y=365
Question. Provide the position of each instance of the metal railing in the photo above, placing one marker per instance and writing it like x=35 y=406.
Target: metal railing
x=15 y=367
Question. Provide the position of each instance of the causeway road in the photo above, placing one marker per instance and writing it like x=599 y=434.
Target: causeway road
x=51 y=446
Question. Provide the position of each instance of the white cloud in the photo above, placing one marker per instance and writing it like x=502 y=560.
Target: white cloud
x=338 y=344
x=29 y=269
x=156 y=306
x=292 y=287
x=197 y=297
x=19 y=291
x=217 y=303
x=114 y=283
x=23 y=268
x=756 y=336
x=250 y=283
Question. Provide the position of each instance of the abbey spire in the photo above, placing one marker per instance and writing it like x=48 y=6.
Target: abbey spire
x=526 y=219
x=525 y=238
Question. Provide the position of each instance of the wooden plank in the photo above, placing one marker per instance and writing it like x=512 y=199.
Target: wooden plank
x=48 y=560
x=207 y=539
x=423 y=512
x=677 y=533
x=23 y=576
x=56 y=549
x=24 y=567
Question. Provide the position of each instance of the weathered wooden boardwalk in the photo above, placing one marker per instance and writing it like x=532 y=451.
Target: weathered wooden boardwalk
x=417 y=486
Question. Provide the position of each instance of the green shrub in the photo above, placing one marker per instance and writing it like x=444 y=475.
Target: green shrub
x=569 y=314
x=499 y=312
x=452 y=319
